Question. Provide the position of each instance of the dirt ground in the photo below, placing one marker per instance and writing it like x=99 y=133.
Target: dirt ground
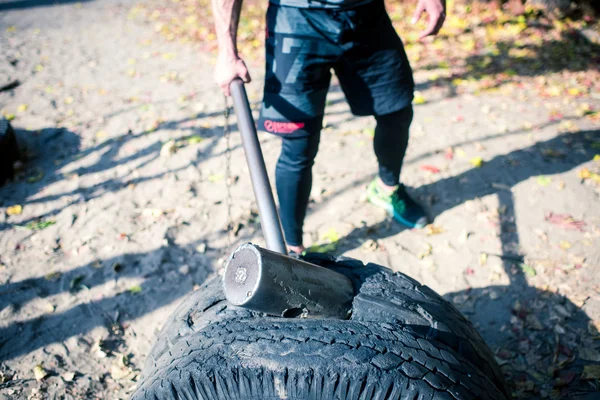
x=124 y=205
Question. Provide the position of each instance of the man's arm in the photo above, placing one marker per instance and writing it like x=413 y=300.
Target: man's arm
x=436 y=11
x=229 y=65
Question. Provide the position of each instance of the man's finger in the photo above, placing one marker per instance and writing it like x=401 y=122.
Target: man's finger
x=242 y=71
x=225 y=89
x=419 y=10
x=434 y=20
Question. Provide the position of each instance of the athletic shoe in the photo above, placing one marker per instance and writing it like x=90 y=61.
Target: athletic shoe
x=398 y=204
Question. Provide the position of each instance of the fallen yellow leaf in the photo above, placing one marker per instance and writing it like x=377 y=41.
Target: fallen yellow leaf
x=432 y=229
x=460 y=153
x=483 y=258
x=39 y=372
x=584 y=173
x=14 y=210
x=330 y=235
x=419 y=99
x=476 y=161
x=427 y=252
x=22 y=108
x=215 y=178
x=565 y=245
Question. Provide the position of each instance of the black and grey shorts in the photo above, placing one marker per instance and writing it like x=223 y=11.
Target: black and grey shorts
x=303 y=45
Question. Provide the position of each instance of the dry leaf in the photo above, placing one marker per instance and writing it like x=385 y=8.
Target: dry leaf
x=528 y=270
x=583 y=173
x=215 y=178
x=118 y=372
x=419 y=99
x=565 y=245
x=533 y=322
x=370 y=245
x=432 y=229
x=566 y=221
x=591 y=372
x=39 y=372
x=195 y=139
x=426 y=253
x=589 y=354
x=483 y=257
x=543 y=180
x=135 y=289
x=14 y=210
x=430 y=168
x=461 y=153
x=476 y=162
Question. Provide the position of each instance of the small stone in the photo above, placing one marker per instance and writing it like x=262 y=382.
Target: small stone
x=168 y=149
x=68 y=376
x=184 y=269
x=201 y=248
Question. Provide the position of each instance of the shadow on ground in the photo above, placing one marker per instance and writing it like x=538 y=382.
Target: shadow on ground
x=50 y=150
x=6 y=5
x=164 y=282
x=534 y=332
x=512 y=60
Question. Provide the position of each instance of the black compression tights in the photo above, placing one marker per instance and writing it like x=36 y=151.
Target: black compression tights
x=293 y=173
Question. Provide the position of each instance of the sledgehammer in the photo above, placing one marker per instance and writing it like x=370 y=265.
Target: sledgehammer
x=268 y=280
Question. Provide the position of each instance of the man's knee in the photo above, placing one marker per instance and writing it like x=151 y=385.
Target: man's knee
x=402 y=117
x=298 y=154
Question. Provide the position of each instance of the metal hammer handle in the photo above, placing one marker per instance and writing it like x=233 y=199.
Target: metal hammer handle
x=269 y=218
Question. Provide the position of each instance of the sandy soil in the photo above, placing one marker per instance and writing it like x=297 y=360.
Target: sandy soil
x=123 y=199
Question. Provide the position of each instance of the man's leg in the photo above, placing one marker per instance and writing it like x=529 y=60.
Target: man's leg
x=298 y=63
x=293 y=177
x=376 y=78
x=390 y=142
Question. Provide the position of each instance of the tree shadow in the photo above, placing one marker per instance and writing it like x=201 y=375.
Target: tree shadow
x=512 y=60
x=164 y=282
x=51 y=155
x=51 y=152
x=24 y=4
x=495 y=176
x=534 y=332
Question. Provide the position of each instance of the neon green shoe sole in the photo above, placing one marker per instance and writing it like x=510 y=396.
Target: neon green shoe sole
x=398 y=205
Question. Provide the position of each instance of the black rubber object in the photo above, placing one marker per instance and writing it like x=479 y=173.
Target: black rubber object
x=402 y=341
x=9 y=151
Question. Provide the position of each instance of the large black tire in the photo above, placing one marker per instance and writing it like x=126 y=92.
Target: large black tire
x=403 y=341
